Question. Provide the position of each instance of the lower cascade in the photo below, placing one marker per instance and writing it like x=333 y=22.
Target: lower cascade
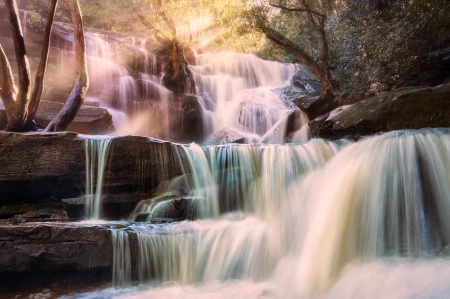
x=297 y=221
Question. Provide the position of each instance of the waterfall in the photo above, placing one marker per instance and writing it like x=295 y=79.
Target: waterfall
x=241 y=90
x=96 y=158
x=122 y=258
x=239 y=191
x=309 y=212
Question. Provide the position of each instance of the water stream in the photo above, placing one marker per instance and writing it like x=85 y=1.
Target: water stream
x=302 y=221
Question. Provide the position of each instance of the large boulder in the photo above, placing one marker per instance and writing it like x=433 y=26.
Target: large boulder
x=89 y=119
x=289 y=94
x=306 y=80
x=404 y=108
x=316 y=103
x=225 y=136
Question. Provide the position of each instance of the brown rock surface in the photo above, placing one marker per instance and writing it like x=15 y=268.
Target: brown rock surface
x=404 y=108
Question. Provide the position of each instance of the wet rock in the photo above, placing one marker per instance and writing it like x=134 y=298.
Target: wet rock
x=89 y=120
x=404 y=108
x=225 y=136
x=141 y=217
x=50 y=213
x=190 y=55
x=189 y=122
x=177 y=209
x=115 y=206
x=37 y=247
x=44 y=168
x=316 y=103
x=304 y=79
x=289 y=94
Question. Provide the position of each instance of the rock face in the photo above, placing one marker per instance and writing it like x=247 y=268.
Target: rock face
x=89 y=119
x=38 y=170
x=289 y=94
x=59 y=247
x=405 y=108
x=304 y=79
x=225 y=136
x=316 y=103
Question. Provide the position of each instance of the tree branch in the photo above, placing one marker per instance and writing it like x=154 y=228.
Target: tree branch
x=19 y=115
x=8 y=90
x=319 y=27
x=40 y=73
x=297 y=9
x=76 y=97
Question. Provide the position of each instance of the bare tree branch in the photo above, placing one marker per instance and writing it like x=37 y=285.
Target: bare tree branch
x=76 y=97
x=19 y=115
x=40 y=73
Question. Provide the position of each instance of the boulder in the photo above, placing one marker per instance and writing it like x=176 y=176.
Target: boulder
x=289 y=94
x=177 y=209
x=89 y=120
x=316 y=103
x=306 y=80
x=225 y=136
x=404 y=108
x=189 y=122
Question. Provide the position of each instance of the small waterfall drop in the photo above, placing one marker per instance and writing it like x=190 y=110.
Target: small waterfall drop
x=96 y=158
x=240 y=90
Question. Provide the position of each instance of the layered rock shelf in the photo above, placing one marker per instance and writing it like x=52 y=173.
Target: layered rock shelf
x=39 y=170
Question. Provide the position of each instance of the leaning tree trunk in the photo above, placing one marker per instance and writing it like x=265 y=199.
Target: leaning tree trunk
x=19 y=110
x=20 y=107
x=76 y=97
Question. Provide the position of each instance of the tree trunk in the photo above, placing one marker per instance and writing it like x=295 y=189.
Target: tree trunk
x=19 y=112
x=40 y=73
x=320 y=70
x=76 y=97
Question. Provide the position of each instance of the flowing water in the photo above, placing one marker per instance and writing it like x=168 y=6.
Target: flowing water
x=319 y=220
x=96 y=158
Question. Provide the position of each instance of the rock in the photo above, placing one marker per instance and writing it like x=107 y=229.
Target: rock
x=304 y=79
x=290 y=93
x=44 y=168
x=141 y=217
x=189 y=121
x=115 y=206
x=404 y=108
x=177 y=209
x=50 y=213
x=89 y=120
x=34 y=247
x=190 y=55
x=91 y=102
x=225 y=136
x=316 y=103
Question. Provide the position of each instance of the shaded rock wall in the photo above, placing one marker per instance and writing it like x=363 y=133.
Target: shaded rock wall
x=46 y=247
x=43 y=168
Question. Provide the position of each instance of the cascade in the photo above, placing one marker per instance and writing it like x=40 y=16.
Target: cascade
x=96 y=159
x=241 y=90
x=314 y=218
x=238 y=192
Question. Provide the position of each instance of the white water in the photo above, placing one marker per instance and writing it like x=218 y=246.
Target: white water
x=96 y=158
x=369 y=221
x=241 y=90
